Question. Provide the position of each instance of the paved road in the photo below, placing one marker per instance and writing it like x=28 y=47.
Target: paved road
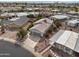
x=10 y=50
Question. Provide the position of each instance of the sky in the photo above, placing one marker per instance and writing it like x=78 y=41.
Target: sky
x=38 y=0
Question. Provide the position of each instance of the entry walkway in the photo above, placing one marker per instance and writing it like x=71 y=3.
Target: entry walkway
x=46 y=50
x=29 y=44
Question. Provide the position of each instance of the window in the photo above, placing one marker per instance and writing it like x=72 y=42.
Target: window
x=69 y=51
x=58 y=46
x=36 y=34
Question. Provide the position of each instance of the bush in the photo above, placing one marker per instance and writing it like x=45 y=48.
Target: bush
x=30 y=16
x=39 y=17
x=57 y=23
x=31 y=25
x=22 y=33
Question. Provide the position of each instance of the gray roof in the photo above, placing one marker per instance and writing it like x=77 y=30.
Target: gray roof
x=72 y=12
x=60 y=16
x=75 y=21
x=26 y=13
x=77 y=45
x=42 y=27
x=68 y=39
x=55 y=37
x=20 y=21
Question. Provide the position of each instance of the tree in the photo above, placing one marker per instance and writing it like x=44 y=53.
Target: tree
x=31 y=25
x=54 y=28
x=30 y=16
x=21 y=34
x=2 y=26
x=2 y=29
x=23 y=7
x=3 y=17
x=50 y=5
x=57 y=23
x=39 y=17
x=76 y=9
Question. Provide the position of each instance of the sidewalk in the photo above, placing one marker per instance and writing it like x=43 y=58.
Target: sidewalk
x=7 y=39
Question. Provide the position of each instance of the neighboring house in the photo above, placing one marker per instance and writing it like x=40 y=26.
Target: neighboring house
x=55 y=11
x=29 y=9
x=73 y=13
x=73 y=16
x=18 y=21
x=66 y=41
x=14 y=19
x=8 y=15
x=10 y=9
x=32 y=9
x=73 y=23
x=60 y=17
x=19 y=14
x=26 y=13
x=41 y=27
x=41 y=20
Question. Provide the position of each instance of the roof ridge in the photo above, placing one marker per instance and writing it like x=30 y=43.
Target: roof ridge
x=76 y=41
x=69 y=36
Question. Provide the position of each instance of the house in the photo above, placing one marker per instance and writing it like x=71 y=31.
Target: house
x=60 y=17
x=41 y=27
x=19 y=14
x=17 y=21
x=8 y=15
x=73 y=16
x=66 y=41
x=10 y=9
x=73 y=13
x=73 y=23
x=14 y=19
x=55 y=11
x=29 y=9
